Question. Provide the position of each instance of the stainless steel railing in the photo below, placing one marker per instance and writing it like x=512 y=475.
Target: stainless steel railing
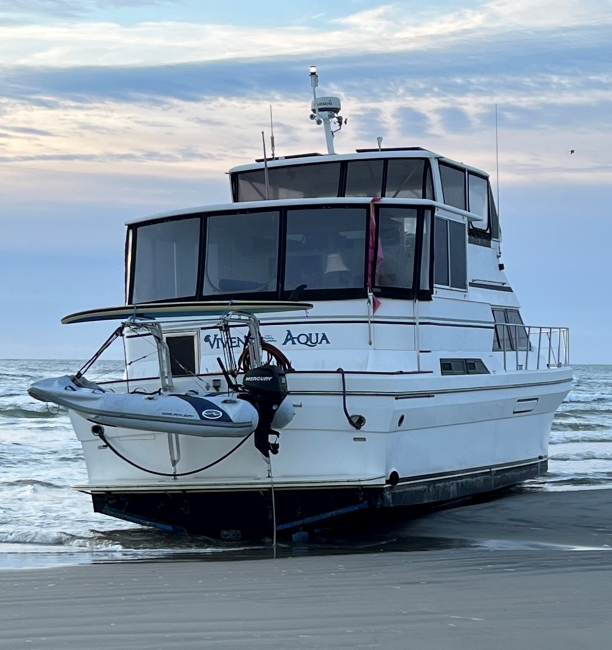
x=525 y=347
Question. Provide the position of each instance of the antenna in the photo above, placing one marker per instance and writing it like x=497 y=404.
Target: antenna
x=266 y=177
x=379 y=140
x=496 y=161
x=272 y=134
x=324 y=110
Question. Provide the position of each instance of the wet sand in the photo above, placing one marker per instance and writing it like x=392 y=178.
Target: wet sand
x=509 y=580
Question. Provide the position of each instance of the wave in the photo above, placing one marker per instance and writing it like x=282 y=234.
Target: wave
x=581 y=398
x=569 y=438
x=582 y=455
x=58 y=538
x=581 y=412
x=28 y=482
x=580 y=426
x=15 y=411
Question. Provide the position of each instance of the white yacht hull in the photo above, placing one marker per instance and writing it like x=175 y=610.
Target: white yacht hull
x=424 y=441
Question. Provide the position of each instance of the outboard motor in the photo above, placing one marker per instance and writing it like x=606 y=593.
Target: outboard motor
x=267 y=386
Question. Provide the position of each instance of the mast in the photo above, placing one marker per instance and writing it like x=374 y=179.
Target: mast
x=325 y=110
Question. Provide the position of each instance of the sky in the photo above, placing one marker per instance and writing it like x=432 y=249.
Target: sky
x=117 y=109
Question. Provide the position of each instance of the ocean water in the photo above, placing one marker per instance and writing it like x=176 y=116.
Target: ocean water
x=43 y=522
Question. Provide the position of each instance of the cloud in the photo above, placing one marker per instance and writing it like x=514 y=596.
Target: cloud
x=27 y=130
x=389 y=28
x=413 y=122
x=454 y=119
x=184 y=154
x=69 y=8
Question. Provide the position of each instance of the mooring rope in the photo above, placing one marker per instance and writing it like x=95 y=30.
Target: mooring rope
x=104 y=439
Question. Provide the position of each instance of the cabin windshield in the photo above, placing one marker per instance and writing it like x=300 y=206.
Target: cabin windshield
x=326 y=252
x=291 y=182
x=397 y=178
x=325 y=248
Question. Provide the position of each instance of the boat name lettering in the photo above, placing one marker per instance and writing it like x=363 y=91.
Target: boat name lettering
x=217 y=342
x=309 y=339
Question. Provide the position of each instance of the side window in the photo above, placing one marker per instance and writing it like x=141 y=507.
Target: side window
x=397 y=229
x=184 y=354
x=463 y=367
x=450 y=256
x=441 y=274
x=510 y=332
x=425 y=281
x=494 y=218
x=166 y=264
x=429 y=190
x=458 y=255
x=478 y=197
x=453 y=186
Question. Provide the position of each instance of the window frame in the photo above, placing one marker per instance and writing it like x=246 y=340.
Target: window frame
x=463 y=170
x=415 y=292
x=131 y=251
x=516 y=343
x=449 y=286
x=197 y=351
x=245 y=295
x=322 y=294
x=340 y=186
x=427 y=179
x=280 y=293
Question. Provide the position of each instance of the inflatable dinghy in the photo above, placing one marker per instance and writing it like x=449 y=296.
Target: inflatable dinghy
x=188 y=414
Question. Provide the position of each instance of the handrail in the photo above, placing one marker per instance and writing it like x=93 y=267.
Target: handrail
x=547 y=346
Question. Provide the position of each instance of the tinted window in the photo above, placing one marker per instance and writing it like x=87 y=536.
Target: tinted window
x=241 y=253
x=429 y=192
x=405 y=178
x=458 y=255
x=426 y=253
x=441 y=252
x=325 y=248
x=364 y=178
x=182 y=355
x=509 y=338
x=453 y=186
x=450 y=262
x=494 y=218
x=518 y=334
x=290 y=182
x=166 y=260
x=478 y=189
x=396 y=247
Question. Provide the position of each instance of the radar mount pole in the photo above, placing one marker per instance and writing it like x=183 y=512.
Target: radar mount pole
x=324 y=110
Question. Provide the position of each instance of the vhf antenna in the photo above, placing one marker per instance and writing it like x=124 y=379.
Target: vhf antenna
x=324 y=110
x=496 y=161
x=272 y=134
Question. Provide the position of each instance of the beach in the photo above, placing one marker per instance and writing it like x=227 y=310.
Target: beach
x=529 y=569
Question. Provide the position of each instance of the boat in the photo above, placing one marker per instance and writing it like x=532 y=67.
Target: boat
x=190 y=414
x=372 y=283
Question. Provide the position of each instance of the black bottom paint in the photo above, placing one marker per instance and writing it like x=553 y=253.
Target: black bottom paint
x=248 y=514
